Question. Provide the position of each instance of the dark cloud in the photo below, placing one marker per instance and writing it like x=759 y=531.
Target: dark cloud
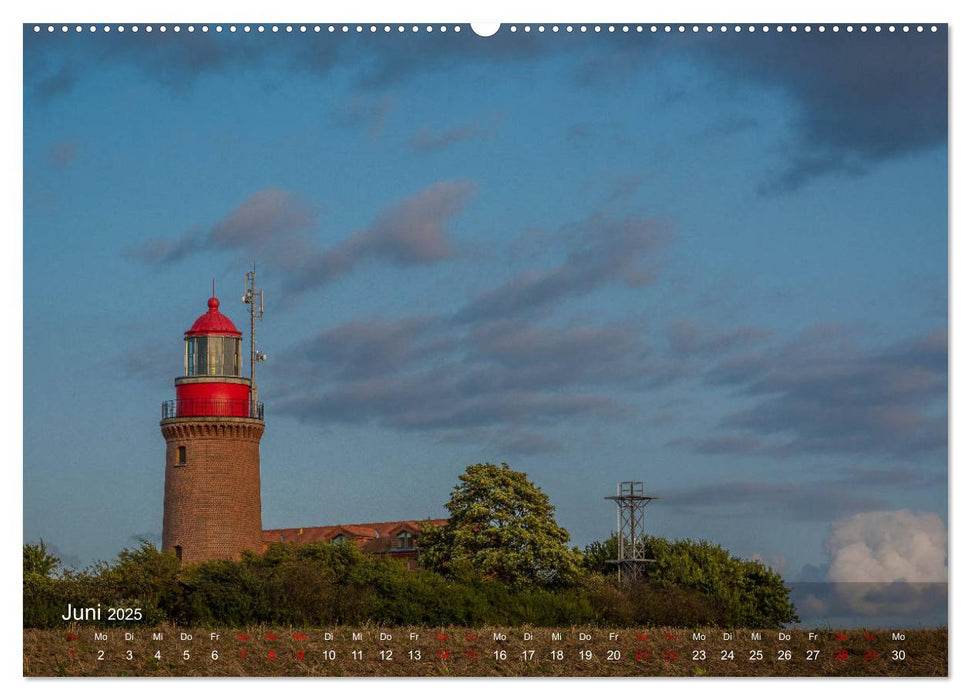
x=410 y=233
x=736 y=369
x=503 y=384
x=870 y=605
x=178 y=61
x=605 y=351
x=803 y=165
x=811 y=573
x=163 y=251
x=272 y=225
x=268 y=224
x=690 y=338
x=891 y=477
x=271 y=213
x=529 y=444
x=614 y=64
x=817 y=393
x=604 y=134
x=427 y=140
x=845 y=493
x=441 y=399
x=796 y=501
x=543 y=357
x=663 y=417
x=610 y=251
x=862 y=99
x=823 y=394
x=579 y=133
x=421 y=53
x=858 y=100
x=721 y=445
x=504 y=441
x=368 y=111
x=175 y=61
x=723 y=127
x=360 y=349
x=57 y=82
x=62 y=154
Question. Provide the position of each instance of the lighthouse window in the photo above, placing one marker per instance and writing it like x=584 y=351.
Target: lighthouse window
x=196 y=356
x=225 y=352
x=212 y=356
x=180 y=456
x=190 y=357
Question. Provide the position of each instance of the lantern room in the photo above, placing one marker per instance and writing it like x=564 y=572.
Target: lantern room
x=212 y=384
x=212 y=345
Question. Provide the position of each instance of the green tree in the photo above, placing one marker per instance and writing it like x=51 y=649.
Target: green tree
x=747 y=592
x=37 y=560
x=501 y=528
x=143 y=577
x=597 y=555
x=46 y=595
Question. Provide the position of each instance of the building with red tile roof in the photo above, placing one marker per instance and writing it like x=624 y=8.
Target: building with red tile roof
x=396 y=538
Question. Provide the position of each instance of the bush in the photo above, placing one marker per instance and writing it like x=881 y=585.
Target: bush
x=321 y=584
x=704 y=581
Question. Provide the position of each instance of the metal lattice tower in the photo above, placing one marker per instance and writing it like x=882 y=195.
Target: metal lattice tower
x=631 y=555
x=250 y=295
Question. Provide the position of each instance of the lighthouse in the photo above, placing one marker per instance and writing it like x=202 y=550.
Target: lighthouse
x=212 y=434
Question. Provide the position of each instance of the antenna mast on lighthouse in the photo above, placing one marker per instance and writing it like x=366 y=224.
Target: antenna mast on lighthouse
x=250 y=295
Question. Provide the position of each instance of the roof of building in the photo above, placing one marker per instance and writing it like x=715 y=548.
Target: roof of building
x=368 y=536
x=213 y=322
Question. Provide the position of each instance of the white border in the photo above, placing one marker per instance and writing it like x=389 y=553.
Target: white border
x=438 y=11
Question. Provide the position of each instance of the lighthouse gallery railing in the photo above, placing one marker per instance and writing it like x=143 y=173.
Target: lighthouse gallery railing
x=236 y=408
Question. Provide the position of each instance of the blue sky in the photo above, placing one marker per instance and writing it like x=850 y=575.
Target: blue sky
x=716 y=264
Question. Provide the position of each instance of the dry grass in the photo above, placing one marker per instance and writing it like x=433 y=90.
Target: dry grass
x=669 y=652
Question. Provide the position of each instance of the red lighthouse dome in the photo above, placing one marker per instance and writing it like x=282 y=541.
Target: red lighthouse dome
x=213 y=322
x=212 y=384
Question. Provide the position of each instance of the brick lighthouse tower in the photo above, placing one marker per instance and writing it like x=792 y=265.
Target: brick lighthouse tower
x=212 y=434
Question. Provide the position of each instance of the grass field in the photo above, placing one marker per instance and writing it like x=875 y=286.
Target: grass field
x=413 y=651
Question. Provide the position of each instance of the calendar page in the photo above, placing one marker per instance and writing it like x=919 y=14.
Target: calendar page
x=441 y=350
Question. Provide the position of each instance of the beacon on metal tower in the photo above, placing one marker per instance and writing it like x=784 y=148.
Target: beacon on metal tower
x=631 y=542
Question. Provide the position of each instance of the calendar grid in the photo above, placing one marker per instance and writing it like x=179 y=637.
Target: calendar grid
x=421 y=651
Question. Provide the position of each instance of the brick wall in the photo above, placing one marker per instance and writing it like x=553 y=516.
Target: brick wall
x=212 y=502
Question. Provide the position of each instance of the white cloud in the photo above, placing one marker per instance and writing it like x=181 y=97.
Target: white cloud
x=888 y=546
x=883 y=563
